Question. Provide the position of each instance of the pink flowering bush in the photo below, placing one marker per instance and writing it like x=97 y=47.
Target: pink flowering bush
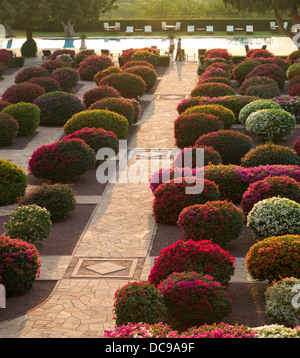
x=269 y=187
x=296 y=146
x=6 y=57
x=108 y=71
x=22 y=92
x=218 y=53
x=30 y=72
x=241 y=70
x=257 y=81
x=138 y=301
x=195 y=299
x=221 y=330
x=62 y=161
x=270 y=70
x=190 y=157
x=199 y=256
x=67 y=77
x=9 y=128
x=212 y=90
x=93 y=64
x=97 y=93
x=220 y=221
x=129 y=64
x=49 y=84
x=19 y=265
x=148 y=75
x=259 y=53
x=52 y=65
x=171 y=197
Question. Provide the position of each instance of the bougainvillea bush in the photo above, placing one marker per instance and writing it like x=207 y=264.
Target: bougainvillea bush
x=49 y=84
x=220 y=221
x=269 y=70
x=20 y=265
x=254 y=81
x=56 y=54
x=289 y=104
x=6 y=57
x=256 y=106
x=52 y=65
x=192 y=157
x=93 y=64
x=9 y=128
x=257 y=53
x=129 y=64
x=212 y=90
x=274 y=257
x=67 y=77
x=80 y=56
x=97 y=93
x=241 y=70
x=138 y=301
x=274 y=216
x=108 y=71
x=171 y=197
x=296 y=146
x=148 y=75
x=217 y=53
x=30 y=72
x=58 y=107
x=22 y=92
x=195 y=299
x=199 y=256
x=62 y=161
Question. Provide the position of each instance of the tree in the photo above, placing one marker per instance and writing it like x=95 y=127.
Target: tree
x=279 y=8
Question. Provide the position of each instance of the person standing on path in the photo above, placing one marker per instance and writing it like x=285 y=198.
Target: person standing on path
x=178 y=52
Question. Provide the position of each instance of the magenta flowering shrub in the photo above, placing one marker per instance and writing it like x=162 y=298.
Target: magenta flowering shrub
x=217 y=79
x=296 y=146
x=295 y=90
x=214 y=71
x=62 y=161
x=80 y=56
x=93 y=64
x=138 y=301
x=4 y=104
x=261 y=172
x=6 y=57
x=20 y=265
x=129 y=64
x=259 y=53
x=218 y=53
x=191 y=102
x=22 y=92
x=9 y=128
x=190 y=157
x=270 y=70
x=148 y=74
x=51 y=66
x=108 y=71
x=231 y=144
x=220 y=221
x=30 y=72
x=171 y=197
x=241 y=70
x=97 y=93
x=203 y=257
x=67 y=77
x=56 y=54
x=49 y=84
x=211 y=89
x=195 y=299
x=282 y=186
x=257 y=81
x=289 y=103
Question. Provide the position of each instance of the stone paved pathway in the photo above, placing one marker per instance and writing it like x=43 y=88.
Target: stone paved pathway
x=115 y=245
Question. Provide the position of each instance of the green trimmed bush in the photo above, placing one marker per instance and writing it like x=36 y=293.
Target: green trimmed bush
x=263 y=91
x=241 y=70
x=108 y=71
x=29 y=48
x=9 y=128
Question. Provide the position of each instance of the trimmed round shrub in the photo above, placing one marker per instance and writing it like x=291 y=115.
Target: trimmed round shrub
x=195 y=299
x=62 y=161
x=119 y=105
x=216 y=79
x=224 y=114
x=293 y=71
x=191 y=102
x=212 y=71
x=29 y=223
x=128 y=84
x=257 y=53
x=67 y=77
x=58 y=107
x=191 y=157
x=6 y=57
x=13 y=182
x=68 y=52
x=269 y=187
x=97 y=93
x=49 y=84
x=256 y=106
x=263 y=171
x=295 y=90
x=52 y=65
x=129 y=64
x=262 y=91
x=258 y=81
x=274 y=258
x=9 y=128
x=212 y=90
x=20 y=265
x=29 y=48
x=219 y=221
x=137 y=110
x=232 y=145
x=221 y=65
x=203 y=257
x=173 y=196
x=294 y=81
x=296 y=146
x=241 y=70
x=274 y=217
x=278 y=302
x=58 y=199
x=189 y=127
x=80 y=56
x=108 y=71
x=138 y=301
x=96 y=138
x=22 y=92
x=146 y=54
x=27 y=115
x=98 y=118
x=4 y=104
x=30 y=72
x=146 y=73
x=270 y=124
x=269 y=70
x=93 y=64
x=217 y=53
x=289 y=104
x=270 y=154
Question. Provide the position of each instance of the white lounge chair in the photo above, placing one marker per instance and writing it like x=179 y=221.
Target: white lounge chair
x=117 y=26
x=273 y=27
x=230 y=29
x=285 y=25
x=164 y=26
x=129 y=30
x=148 y=29
x=106 y=26
x=209 y=29
x=190 y=29
x=178 y=24
x=249 y=29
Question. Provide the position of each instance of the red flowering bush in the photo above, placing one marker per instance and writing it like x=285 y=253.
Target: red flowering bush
x=6 y=57
x=274 y=257
x=49 y=84
x=171 y=197
x=191 y=102
x=67 y=77
x=138 y=301
x=216 y=79
x=96 y=138
x=13 y=182
x=129 y=64
x=80 y=56
x=295 y=90
x=146 y=73
x=8 y=129
x=195 y=299
x=261 y=172
x=22 y=92
x=259 y=53
x=62 y=161
x=128 y=84
x=4 y=104
x=212 y=90
x=241 y=70
x=218 y=53
x=56 y=54
x=232 y=145
x=97 y=93
x=189 y=127
x=269 y=70
x=203 y=257
x=98 y=118
x=220 y=221
x=93 y=64
x=51 y=66
x=58 y=107
x=189 y=157
x=108 y=71
x=30 y=72
x=20 y=265
x=221 y=65
x=213 y=71
x=296 y=145
x=257 y=81
x=119 y=105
